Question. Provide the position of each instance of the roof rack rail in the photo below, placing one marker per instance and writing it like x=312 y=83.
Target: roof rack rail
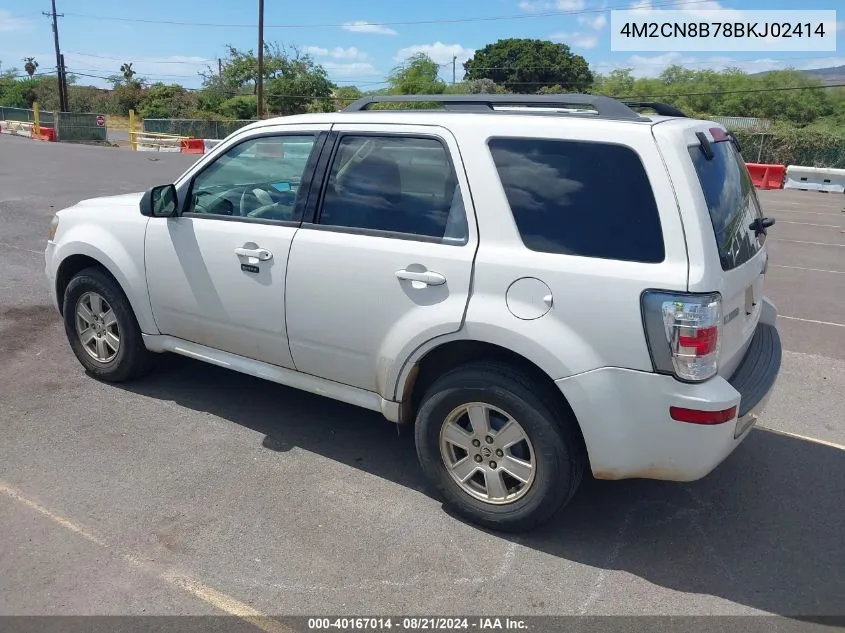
x=605 y=107
x=662 y=109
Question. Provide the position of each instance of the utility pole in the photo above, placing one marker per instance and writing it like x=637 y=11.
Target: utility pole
x=454 y=59
x=219 y=67
x=260 y=79
x=64 y=81
x=59 y=65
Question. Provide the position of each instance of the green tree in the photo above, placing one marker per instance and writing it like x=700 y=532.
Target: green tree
x=475 y=86
x=301 y=85
x=30 y=66
x=416 y=75
x=344 y=95
x=128 y=72
x=163 y=101
x=618 y=83
x=239 y=107
x=527 y=65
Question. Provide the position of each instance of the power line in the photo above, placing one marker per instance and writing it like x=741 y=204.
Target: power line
x=520 y=16
x=147 y=61
x=653 y=96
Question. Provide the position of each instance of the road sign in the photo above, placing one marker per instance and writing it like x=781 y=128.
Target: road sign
x=101 y=120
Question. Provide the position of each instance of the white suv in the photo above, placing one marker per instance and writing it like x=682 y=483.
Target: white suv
x=538 y=285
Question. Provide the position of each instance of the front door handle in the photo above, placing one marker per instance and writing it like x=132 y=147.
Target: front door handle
x=257 y=254
x=420 y=279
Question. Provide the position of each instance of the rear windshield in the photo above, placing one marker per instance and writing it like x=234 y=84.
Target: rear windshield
x=731 y=200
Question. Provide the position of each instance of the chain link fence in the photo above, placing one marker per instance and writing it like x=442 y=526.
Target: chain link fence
x=21 y=114
x=793 y=147
x=195 y=128
x=69 y=126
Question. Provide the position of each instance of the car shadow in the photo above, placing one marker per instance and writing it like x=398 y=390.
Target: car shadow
x=764 y=530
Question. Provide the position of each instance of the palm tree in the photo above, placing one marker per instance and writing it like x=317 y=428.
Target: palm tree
x=30 y=65
x=127 y=71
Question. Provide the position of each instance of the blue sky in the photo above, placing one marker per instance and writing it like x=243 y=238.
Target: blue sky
x=358 y=42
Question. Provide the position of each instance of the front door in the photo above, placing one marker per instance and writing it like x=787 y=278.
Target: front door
x=216 y=273
x=386 y=262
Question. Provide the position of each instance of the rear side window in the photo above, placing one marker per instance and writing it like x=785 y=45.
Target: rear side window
x=731 y=200
x=580 y=198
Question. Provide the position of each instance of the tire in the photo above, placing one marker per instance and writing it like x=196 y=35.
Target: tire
x=131 y=359
x=554 y=447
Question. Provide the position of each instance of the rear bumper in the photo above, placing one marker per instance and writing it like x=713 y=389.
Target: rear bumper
x=624 y=415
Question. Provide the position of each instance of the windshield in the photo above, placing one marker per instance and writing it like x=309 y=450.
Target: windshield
x=731 y=200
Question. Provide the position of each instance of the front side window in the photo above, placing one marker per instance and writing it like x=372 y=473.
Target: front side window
x=398 y=184
x=259 y=178
x=588 y=199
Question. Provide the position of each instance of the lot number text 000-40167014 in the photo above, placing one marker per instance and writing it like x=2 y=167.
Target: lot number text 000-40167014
x=723 y=30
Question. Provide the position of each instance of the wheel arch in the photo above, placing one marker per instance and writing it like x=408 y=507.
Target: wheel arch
x=77 y=261
x=449 y=354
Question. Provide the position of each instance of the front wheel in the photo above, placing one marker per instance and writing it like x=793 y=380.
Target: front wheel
x=101 y=328
x=499 y=454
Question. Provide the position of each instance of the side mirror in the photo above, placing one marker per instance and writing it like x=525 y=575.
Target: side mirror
x=160 y=202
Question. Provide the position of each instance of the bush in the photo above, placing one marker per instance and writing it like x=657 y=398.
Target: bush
x=240 y=107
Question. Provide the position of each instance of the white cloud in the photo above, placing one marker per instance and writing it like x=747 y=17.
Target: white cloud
x=439 y=52
x=10 y=23
x=352 y=69
x=559 y=5
x=596 y=22
x=351 y=53
x=360 y=26
x=577 y=39
x=653 y=65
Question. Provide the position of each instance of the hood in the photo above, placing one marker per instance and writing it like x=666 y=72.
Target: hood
x=124 y=206
x=121 y=201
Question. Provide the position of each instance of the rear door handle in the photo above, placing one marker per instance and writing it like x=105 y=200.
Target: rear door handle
x=258 y=254
x=420 y=279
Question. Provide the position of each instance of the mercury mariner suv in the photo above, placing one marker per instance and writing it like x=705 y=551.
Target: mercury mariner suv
x=536 y=285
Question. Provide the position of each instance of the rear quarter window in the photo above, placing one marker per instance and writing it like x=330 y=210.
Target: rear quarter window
x=589 y=199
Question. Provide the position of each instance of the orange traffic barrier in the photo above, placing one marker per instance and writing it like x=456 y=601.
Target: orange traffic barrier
x=766 y=176
x=192 y=146
x=45 y=134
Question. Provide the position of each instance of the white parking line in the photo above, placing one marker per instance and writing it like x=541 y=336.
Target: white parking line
x=777 y=239
x=827 y=226
x=781 y=316
x=777 y=209
x=802 y=437
x=815 y=270
x=211 y=596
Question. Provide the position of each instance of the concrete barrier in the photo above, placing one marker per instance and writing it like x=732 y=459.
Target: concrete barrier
x=815 y=179
x=158 y=143
x=17 y=128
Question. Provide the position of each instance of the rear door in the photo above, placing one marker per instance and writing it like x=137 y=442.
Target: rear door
x=385 y=263
x=727 y=252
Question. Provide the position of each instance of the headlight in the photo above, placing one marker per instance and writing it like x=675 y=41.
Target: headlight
x=54 y=225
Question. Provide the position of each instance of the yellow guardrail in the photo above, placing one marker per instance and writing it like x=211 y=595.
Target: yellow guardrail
x=152 y=141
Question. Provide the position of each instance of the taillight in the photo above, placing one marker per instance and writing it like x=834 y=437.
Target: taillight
x=683 y=333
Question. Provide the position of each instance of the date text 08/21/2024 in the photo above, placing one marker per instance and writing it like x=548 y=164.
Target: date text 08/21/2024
x=416 y=624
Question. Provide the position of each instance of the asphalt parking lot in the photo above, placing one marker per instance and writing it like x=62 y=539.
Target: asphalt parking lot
x=202 y=491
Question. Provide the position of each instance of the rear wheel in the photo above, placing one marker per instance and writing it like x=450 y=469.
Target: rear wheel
x=499 y=453
x=101 y=328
